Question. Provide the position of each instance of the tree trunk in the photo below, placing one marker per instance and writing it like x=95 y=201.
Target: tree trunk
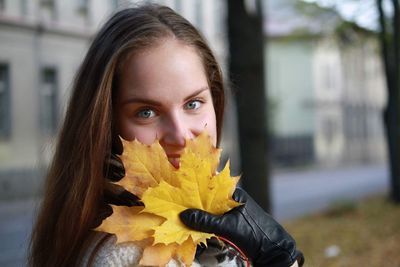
x=246 y=68
x=390 y=46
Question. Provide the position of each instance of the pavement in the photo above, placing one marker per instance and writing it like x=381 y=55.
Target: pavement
x=16 y=219
x=294 y=194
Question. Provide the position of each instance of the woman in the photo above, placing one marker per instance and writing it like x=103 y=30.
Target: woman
x=147 y=75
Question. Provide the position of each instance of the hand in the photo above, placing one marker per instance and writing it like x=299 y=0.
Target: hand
x=114 y=194
x=248 y=226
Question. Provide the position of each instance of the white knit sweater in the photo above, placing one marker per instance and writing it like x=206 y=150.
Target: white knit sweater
x=128 y=255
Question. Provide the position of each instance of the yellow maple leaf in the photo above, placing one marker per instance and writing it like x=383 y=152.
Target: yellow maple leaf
x=128 y=224
x=199 y=190
x=145 y=165
x=166 y=192
x=206 y=151
x=161 y=254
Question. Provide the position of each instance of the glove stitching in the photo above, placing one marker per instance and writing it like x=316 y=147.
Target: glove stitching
x=272 y=242
x=244 y=213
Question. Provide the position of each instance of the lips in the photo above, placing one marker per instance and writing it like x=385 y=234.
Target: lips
x=174 y=160
x=174 y=155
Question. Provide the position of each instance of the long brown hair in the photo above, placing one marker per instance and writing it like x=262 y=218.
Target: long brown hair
x=75 y=180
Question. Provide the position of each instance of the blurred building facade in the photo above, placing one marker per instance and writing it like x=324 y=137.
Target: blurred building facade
x=326 y=89
x=42 y=45
x=326 y=86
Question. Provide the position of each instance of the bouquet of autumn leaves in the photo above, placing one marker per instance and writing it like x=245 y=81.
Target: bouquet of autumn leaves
x=165 y=192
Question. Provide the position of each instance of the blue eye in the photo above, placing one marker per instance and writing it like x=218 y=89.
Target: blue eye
x=194 y=104
x=146 y=113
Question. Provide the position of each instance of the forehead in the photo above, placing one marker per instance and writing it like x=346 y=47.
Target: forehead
x=170 y=67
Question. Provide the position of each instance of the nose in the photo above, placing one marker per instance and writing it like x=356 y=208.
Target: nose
x=175 y=130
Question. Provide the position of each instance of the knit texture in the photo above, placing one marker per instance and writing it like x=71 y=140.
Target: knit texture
x=104 y=251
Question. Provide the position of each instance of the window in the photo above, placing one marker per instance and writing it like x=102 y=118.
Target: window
x=2 y=5
x=83 y=7
x=329 y=129
x=47 y=3
x=199 y=14
x=48 y=101
x=115 y=4
x=5 y=108
x=178 y=6
x=48 y=9
x=24 y=7
x=329 y=80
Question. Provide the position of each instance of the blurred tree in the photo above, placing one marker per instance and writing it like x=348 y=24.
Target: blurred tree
x=246 y=68
x=390 y=47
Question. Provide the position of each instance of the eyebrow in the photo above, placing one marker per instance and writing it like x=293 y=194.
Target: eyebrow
x=156 y=103
x=201 y=90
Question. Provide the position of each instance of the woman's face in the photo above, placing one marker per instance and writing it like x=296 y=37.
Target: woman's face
x=164 y=94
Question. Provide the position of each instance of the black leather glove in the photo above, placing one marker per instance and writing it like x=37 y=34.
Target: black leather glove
x=262 y=239
x=114 y=194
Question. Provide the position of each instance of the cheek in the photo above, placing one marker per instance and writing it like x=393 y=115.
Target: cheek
x=209 y=124
x=212 y=131
x=143 y=135
x=130 y=131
